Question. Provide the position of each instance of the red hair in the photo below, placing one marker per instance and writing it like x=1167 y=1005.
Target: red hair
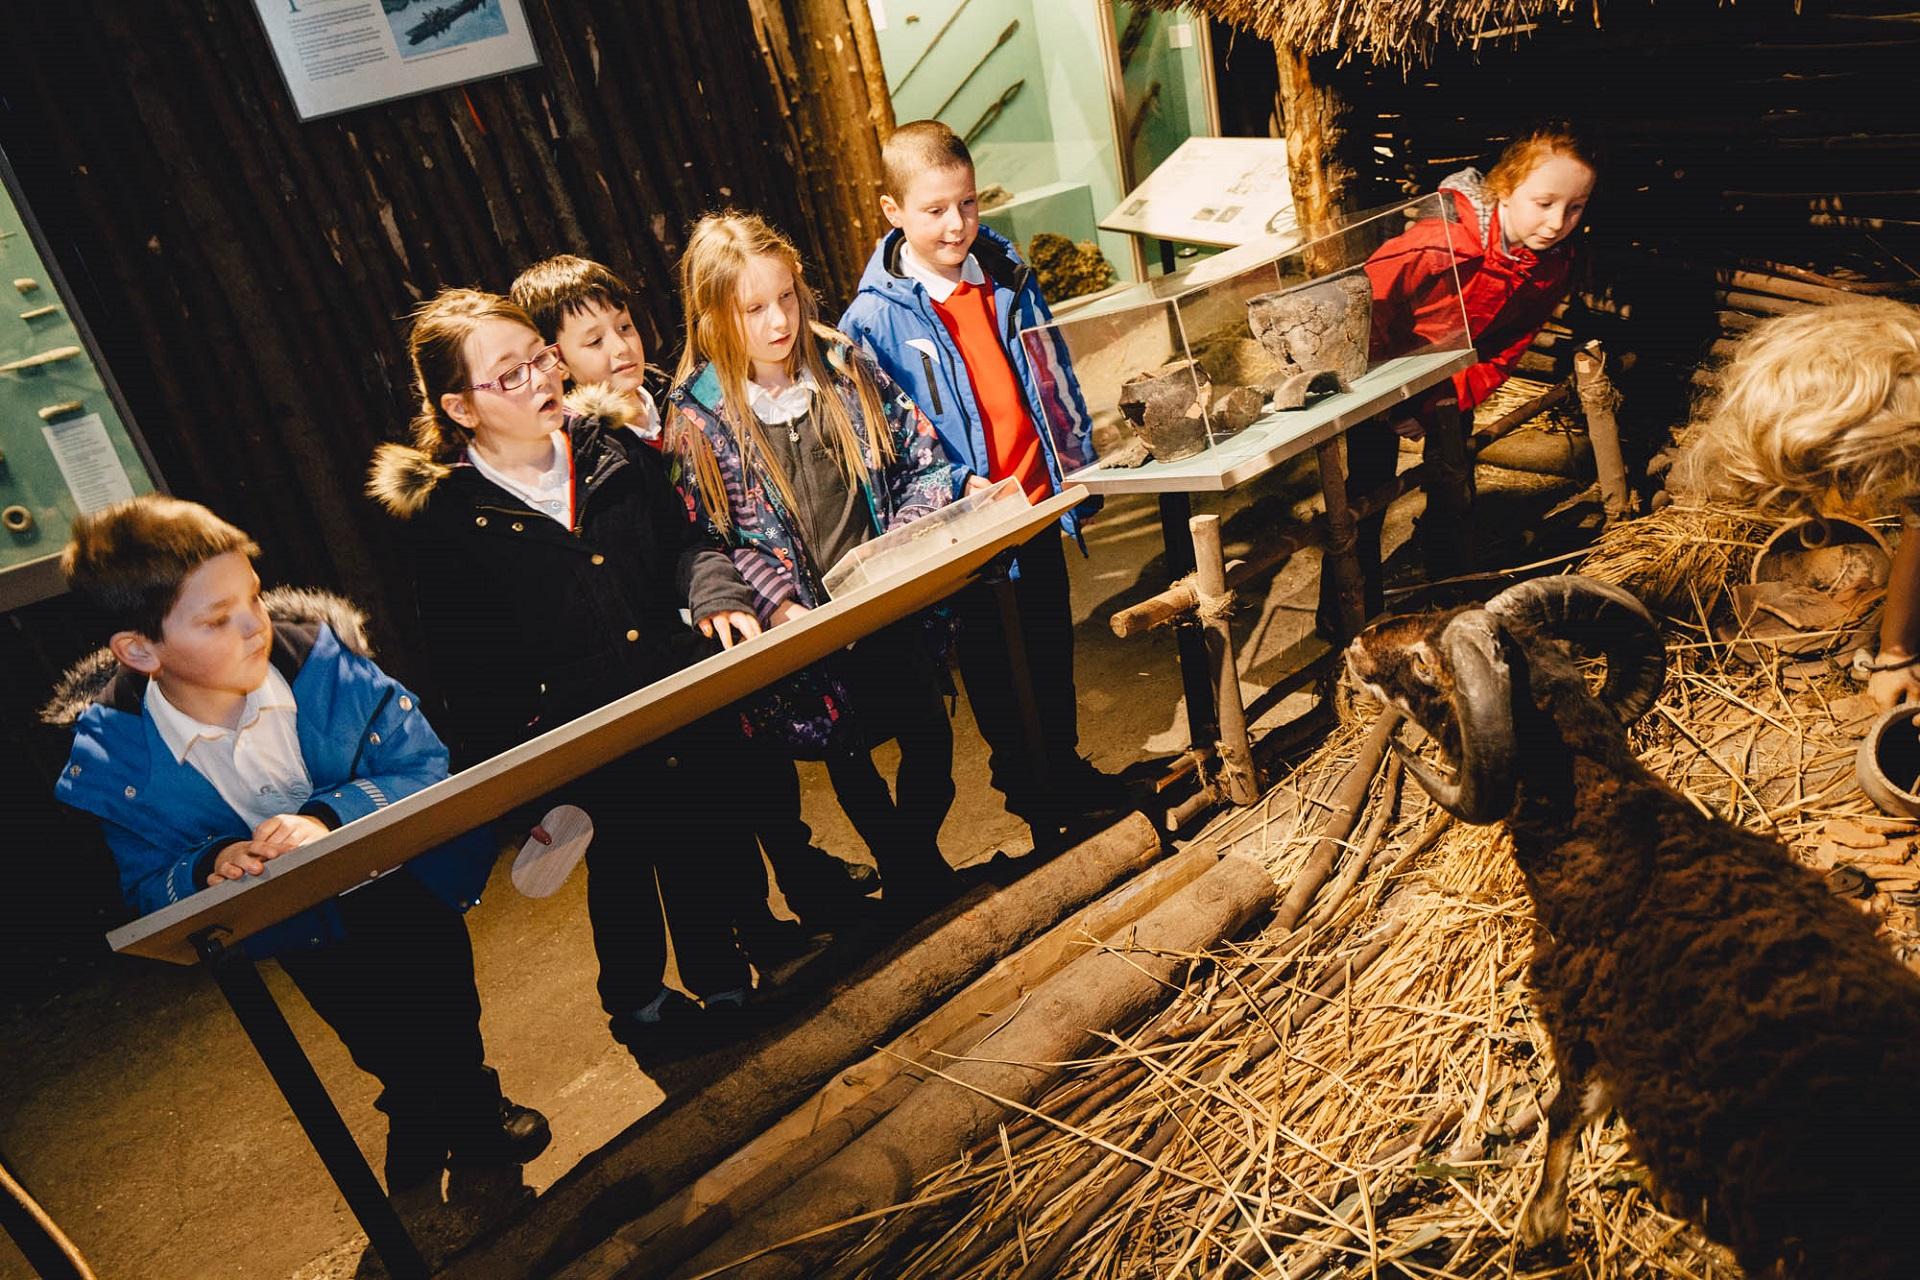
x=1532 y=148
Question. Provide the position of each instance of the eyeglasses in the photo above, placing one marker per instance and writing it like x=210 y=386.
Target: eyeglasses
x=517 y=376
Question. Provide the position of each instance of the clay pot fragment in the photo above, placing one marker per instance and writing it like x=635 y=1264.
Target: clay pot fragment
x=1321 y=327
x=1164 y=409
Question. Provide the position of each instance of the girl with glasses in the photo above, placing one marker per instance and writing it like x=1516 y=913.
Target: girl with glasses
x=552 y=559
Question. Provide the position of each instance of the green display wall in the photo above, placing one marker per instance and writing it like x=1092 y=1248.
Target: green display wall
x=66 y=444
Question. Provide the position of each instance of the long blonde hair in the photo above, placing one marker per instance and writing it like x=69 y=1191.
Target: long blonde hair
x=718 y=251
x=437 y=348
x=1815 y=409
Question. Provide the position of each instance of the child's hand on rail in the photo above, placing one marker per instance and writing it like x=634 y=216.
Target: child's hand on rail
x=732 y=626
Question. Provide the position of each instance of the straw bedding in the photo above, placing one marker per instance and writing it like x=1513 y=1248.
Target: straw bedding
x=1362 y=1096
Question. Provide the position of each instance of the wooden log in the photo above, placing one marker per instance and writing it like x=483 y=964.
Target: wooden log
x=1765 y=304
x=858 y=1096
x=1781 y=287
x=1156 y=610
x=1598 y=399
x=1343 y=811
x=1322 y=143
x=1106 y=988
x=665 y=1150
x=1340 y=557
x=1239 y=779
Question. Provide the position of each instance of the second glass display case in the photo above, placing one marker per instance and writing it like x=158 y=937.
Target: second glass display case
x=1196 y=380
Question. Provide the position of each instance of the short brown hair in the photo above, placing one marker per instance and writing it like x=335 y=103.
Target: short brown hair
x=916 y=147
x=1532 y=146
x=554 y=288
x=131 y=559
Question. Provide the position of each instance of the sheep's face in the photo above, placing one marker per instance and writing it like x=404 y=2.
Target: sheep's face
x=1448 y=672
x=1398 y=661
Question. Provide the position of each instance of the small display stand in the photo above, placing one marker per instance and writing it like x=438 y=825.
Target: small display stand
x=207 y=927
x=1204 y=380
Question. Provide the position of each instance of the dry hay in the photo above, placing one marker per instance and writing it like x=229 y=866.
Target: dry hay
x=1362 y=1096
x=1680 y=558
x=1400 y=35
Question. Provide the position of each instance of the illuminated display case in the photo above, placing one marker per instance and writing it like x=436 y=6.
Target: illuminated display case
x=1199 y=380
x=67 y=442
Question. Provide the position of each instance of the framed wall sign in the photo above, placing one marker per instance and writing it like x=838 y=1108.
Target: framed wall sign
x=339 y=54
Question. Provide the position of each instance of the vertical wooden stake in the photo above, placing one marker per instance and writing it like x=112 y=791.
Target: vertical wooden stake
x=1341 y=557
x=1238 y=777
x=1597 y=399
x=1447 y=530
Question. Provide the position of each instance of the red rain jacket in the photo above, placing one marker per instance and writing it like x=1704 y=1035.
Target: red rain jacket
x=1508 y=293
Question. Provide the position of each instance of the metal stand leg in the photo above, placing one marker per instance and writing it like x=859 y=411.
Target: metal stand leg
x=1341 y=559
x=273 y=1039
x=1022 y=670
x=1203 y=727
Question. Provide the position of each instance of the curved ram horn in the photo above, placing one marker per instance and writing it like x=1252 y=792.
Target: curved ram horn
x=1597 y=617
x=1481 y=790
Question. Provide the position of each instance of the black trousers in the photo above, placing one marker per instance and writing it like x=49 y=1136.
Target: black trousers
x=668 y=850
x=769 y=793
x=895 y=693
x=1045 y=609
x=398 y=990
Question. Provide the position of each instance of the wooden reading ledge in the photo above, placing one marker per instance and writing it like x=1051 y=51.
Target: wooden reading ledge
x=383 y=841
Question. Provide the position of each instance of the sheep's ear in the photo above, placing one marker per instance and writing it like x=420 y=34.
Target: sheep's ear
x=1596 y=617
x=1481 y=789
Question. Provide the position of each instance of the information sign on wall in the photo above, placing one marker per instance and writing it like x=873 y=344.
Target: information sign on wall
x=339 y=54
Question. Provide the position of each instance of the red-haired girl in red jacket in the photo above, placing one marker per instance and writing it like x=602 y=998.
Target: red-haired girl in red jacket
x=1508 y=236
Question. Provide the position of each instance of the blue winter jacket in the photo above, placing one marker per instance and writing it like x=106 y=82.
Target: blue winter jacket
x=893 y=318
x=365 y=743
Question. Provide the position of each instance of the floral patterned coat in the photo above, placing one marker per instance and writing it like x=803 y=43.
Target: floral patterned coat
x=763 y=536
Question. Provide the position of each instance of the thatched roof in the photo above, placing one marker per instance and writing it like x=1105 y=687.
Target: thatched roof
x=1390 y=32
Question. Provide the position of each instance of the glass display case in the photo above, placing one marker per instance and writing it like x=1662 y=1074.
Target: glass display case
x=1202 y=379
x=66 y=445
x=912 y=548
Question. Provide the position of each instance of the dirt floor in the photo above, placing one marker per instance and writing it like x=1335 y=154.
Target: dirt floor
x=139 y=1115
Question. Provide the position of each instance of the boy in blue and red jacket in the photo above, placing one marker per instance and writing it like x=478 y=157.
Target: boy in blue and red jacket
x=211 y=736
x=941 y=308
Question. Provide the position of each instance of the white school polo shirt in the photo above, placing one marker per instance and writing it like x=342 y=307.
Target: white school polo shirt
x=257 y=768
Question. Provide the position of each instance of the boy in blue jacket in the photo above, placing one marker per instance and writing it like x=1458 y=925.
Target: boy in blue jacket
x=941 y=308
x=215 y=734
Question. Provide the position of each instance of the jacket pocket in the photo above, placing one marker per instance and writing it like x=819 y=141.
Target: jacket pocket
x=933 y=385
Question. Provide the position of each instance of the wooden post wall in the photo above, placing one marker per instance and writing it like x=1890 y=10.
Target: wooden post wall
x=1316 y=120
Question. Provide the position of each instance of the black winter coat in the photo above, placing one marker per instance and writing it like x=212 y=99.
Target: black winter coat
x=530 y=624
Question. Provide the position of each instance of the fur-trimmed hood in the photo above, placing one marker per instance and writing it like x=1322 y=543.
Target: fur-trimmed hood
x=403 y=478
x=88 y=680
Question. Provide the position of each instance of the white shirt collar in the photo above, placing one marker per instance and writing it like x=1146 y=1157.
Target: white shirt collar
x=549 y=493
x=647 y=426
x=938 y=287
x=181 y=731
x=776 y=408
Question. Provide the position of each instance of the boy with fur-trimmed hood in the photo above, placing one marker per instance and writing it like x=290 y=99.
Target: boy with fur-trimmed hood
x=221 y=728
